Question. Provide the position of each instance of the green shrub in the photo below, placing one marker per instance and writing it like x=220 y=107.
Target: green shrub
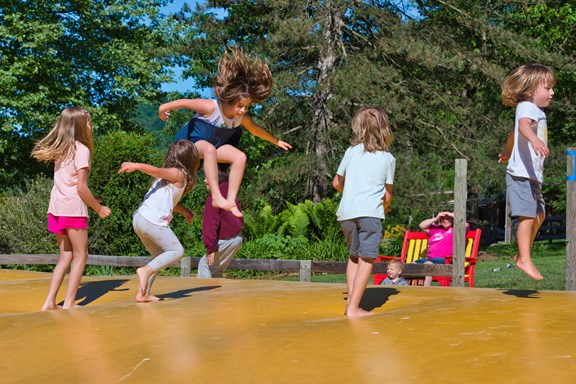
x=272 y=246
x=23 y=219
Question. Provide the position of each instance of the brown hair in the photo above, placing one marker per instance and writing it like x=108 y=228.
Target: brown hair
x=241 y=76
x=74 y=124
x=371 y=128
x=521 y=83
x=183 y=155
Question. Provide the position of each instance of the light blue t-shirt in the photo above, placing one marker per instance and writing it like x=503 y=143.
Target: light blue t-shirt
x=365 y=176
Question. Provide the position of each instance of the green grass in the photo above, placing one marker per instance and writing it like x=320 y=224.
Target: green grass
x=549 y=258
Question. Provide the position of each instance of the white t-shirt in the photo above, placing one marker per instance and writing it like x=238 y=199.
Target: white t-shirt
x=160 y=201
x=64 y=198
x=365 y=176
x=523 y=161
x=218 y=119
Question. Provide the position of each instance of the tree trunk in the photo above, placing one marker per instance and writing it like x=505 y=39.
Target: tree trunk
x=319 y=145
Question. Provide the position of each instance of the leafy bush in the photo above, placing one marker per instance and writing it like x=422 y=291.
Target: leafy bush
x=272 y=246
x=23 y=219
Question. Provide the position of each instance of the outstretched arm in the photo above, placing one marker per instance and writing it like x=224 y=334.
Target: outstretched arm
x=205 y=107
x=174 y=175
x=260 y=132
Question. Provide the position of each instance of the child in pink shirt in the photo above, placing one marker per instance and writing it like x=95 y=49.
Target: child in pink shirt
x=69 y=146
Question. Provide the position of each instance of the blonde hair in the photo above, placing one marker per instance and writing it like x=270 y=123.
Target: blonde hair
x=240 y=76
x=397 y=262
x=521 y=83
x=74 y=124
x=371 y=128
x=183 y=155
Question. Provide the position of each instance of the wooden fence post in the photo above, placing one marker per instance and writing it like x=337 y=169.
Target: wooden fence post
x=507 y=222
x=306 y=270
x=460 y=196
x=570 y=219
x=185 y=266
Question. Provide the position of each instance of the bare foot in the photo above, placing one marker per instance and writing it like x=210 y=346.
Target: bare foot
x=221 y=202
x=529 y=268
x=358 y=313
x=143 y=276
x=146 y=298
x=236 y=212
x=50 y=307
x=70 y=306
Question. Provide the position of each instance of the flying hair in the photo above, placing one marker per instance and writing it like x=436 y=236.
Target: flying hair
x=74 y=124
x=240 y=76
x=523 y=81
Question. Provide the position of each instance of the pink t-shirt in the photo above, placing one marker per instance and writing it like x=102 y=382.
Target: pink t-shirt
x=64 y=198
x=441 y=241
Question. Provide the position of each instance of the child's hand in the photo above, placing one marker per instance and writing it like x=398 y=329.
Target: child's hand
x=284 y=145
x=504 y=156
x=163 y=113
x=104 y=212
x=540 y=148
x=188 y=215
x=128 y=167
x=210 y=259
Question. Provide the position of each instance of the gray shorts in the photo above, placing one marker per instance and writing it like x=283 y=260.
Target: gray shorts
x=525 y=196
x=363 y=236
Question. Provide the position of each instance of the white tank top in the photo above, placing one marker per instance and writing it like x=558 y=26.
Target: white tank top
x=218 y=119
x=160 y=201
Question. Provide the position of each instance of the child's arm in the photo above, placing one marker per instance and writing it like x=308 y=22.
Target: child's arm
x=525 y=129
x=205 y=107
x=173 y=175
x=260 y=132
x=504 y=155
x=87 y=196
x=338 y=183
x=184 y=212
x=387 y=198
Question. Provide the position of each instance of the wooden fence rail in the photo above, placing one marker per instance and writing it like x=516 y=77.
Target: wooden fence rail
x=304 y=267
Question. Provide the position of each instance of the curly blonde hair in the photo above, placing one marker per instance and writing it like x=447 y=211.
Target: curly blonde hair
x=371 y=128
x=74 y=124
x=240 y=76
x=521 y=83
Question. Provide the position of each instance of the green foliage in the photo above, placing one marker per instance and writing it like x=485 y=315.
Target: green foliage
x=23 y=219
x=103 y=55
x=273 y=246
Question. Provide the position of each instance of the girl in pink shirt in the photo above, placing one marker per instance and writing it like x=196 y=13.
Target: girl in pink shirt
x=69 y=146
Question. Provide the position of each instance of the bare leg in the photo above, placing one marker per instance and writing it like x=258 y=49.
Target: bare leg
x=79 y=241
x=208 y=153
x=428 y=279
x=527 y=229
x=59 y=272
x=360 y=281
x=147 y=298
x=144 y=273
x=351 y=271
x=237 y=160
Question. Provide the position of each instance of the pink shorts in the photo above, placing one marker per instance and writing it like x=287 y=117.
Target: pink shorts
x=59 y=224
